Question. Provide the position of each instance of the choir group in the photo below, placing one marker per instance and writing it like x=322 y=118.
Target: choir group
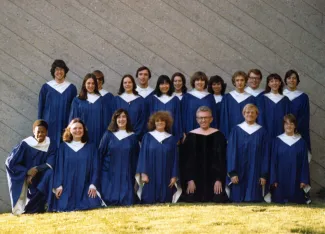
x=163 y=144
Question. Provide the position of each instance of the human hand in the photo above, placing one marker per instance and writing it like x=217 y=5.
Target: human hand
x=217 y=187
x=172 y=182
x=302 y=185
x=234 y=180
x=190 y=187
x=58 y=192
x=262 y=181
x=275 y=185
x=29 y=179
x=144 y=178
x=32 y=172
x=92 y=193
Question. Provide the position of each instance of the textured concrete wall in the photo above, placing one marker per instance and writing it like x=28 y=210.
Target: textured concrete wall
x=117 y=36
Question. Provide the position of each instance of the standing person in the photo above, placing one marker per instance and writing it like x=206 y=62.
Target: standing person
x=88 y=107
x=275 y=106
x=108 y=98
x=164 y=100
x=192 y=100
x=289 y=165
x=158 y=162
x=299 y=105
x=248 y=159
x=179 y=82
x=119 y=150
x=55 y=100
x=143 y=75
x=76 y=173
x=232 y=104
x=204 y=168
x=129 y=100
x=29 y=170
x=217 y=87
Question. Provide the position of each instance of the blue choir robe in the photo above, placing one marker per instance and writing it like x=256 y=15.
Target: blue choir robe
x=258 y=94
x=119 y=156
x=275 y=107
x=108 y=107
x=248 y=154
x=232 y=106
x=26 y=155
x=170 y=104
x=77 y=170
x=90 y=111
x=179 y=95
x=299 y=107
x=54 y=107
x=135 y=106
x=218 y=99
x=159 y=160
x=289 y=168
x=191 y=101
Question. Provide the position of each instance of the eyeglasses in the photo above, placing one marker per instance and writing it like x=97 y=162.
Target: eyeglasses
x=254 y=78
x=203 y=118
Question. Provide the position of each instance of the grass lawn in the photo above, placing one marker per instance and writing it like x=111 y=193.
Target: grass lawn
x=175 y=218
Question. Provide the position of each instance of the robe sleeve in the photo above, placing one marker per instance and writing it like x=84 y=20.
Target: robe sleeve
x=274 y=163
x=224 y=117
x=103 y=147
x=134 y=155
x=41 y=102
x=305 y=176
x=218 y=161
x=14 y=162
x=95 y=167
x=232 y=163
x=303 y=119
x=59 y=168
x=189 y=159
x=50 y=161
x=74 y=112
x=175 y=172
x=143 y=156
x=265 y=171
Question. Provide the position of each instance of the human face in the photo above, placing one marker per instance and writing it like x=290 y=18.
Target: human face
x=121 y=121
x=59 y=74
x=240 y=83
x=100 y=81
x=164 y=87
x=204 y=119
x=77 y=131
x=40 y=133
x=127 y=85
x=250 y=115
x=160 y=125
x=143 y=77
x=90 y=85
x=292 y=82
x=216 y=87
x=289 y=128
x=254 y=80
x=178 y=84
x=199 y=84
x=274 y=84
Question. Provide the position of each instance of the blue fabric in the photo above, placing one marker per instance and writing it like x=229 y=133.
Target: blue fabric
x=118 y=164
x=54 y=108
x=159 y=160
x=289 y=168
x=217 y=114
x=248 y=158
x=259 y=100
x=108 y=109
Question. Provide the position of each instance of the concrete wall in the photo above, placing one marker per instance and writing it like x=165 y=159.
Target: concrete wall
x=117 y=36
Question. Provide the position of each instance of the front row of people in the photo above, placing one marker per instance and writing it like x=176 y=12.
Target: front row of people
x=80 y=177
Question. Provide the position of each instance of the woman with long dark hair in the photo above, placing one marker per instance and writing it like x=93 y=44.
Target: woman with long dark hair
x=179 y=83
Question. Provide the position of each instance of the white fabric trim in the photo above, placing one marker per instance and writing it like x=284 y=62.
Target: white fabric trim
x=140 y=184
x=92 y=98
x=239 y=97
x=76 y=145
x=103 y=92
x=164 y=98
x=92 y=187
x=160 y=136
x=289 y=140
x=179 y=95
x=292 y=94
x=121 y=134
x=129 y=97
x=250 y=129
x=49 y=166
x=309 y=156
x=144 y=92
x=19 y=207
x=254 y=92
x=43 y=146
x=198 y=94
x=274 y=97
x=60 y=87
x=217 y=98
x=307 y=188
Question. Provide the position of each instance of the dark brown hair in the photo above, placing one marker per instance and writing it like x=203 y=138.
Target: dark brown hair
x=61 y=64
x=256 y=72
x=40 y=122
x=113 y=125
x=83 y=91
x=238 y=73
x=292 y=119
x=122 y=90
x=276 y=77
x=161 y=80
x=142 y=69
x=184 y=88
x=216 y=79
x=199 y=76
x=163 y=116
x=100 y=74
x=67 y=136
x=290 y=73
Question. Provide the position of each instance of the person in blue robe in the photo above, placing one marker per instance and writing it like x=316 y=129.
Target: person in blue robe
x=299 y=104
x=129 y=100
x=275 y=106
x=157 y=170
x=88 y=106
x=179 y=83
x=217 y=87
x=76 y=175
x=55 y=100
x=232 y=104
x=30 y=169
x=289 y=177
x=248 y=155
x=192 y=100
x=119 y=151
x=107 y=99
x=164 y=100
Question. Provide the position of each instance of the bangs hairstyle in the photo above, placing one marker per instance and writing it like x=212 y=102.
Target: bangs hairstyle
x=67 y=136
x=113 y=127
x=161 y=80
x=99 y=74
x=239 y=73
x=291 y=119
x=83 y=91
x=122 y=90
x=199 y=76
x=184 y=88
x=290 y=73
x=274 y=76
x=40 y=122
x=59 y=63
x=256 y=72
x=163 y=116
x=217 y=79
x=142 y=69
x=250 y=106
